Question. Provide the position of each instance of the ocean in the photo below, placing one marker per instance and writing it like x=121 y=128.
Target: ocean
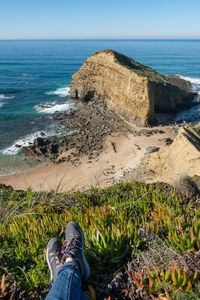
x=39 y=72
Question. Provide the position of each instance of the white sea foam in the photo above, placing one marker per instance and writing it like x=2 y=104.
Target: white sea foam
x=3 y=97
x=192 y=114
x=61 y=92
x=21 y=142
x=28 y=139
x=195 y=81
x=50 y=108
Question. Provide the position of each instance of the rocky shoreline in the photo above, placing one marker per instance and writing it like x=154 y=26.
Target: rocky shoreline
x=106 y=145
x=103 y=107
x=92 y=122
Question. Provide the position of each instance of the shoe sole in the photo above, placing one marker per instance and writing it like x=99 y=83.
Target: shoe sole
x=47 y=257
x=87 y=267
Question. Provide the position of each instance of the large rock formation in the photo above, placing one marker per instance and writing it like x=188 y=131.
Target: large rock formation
x=131 y=89
x=181 y=158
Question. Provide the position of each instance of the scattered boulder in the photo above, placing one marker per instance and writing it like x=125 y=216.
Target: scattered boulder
x=137 y=147
x=129 y=88
x=146 y=132
x=166 y=141
x=38 y=142
x=54 y=148
x=28 y=151
x=42 y=147
x=91 y=122
x=18 y=146
x=152 y=149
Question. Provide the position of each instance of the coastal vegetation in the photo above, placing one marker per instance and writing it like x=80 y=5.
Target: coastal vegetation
x=141 y=240
x=147 y=234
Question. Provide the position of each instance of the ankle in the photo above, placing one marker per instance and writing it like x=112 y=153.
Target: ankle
x=69 y=259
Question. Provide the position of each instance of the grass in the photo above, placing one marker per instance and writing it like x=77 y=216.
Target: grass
x=135 y=66
x=111 y=219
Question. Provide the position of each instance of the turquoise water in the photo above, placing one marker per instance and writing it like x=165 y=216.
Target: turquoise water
x=39 y=72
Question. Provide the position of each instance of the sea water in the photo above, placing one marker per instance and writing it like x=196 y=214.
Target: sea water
x=39 y=72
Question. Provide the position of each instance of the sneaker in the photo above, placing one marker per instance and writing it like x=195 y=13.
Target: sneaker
x=54 y=256
x=74 y=246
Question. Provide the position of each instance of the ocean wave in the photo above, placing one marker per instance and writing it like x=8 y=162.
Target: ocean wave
x=61 y=92
x=3 y=97
x=28 y=139
x=195 y=81
x=21 y=143
x=50 y=108
x=189 y=115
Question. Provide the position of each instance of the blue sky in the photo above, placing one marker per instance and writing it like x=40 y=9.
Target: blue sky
x=46 y=19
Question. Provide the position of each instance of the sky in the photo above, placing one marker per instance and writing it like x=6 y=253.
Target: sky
x=82 y=19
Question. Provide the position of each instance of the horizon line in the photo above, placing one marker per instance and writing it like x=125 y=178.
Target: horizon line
x=63 y=39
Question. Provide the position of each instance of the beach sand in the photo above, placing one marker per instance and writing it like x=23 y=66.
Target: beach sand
x=109 y=166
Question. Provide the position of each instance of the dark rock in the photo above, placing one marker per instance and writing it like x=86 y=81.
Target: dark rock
x=166 y=141
x=39 y=142
x=54 y=148
x=147 y=132
x=137 y=147
x=114 y=147
x=181 y=83
x=18 y=146
x=152 y=149
x=28 y=151
x=160 y=131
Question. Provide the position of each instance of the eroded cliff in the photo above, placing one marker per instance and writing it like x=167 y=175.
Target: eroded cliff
x=181 y=158
x=131 y=89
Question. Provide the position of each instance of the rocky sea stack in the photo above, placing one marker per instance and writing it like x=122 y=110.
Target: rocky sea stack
x=131 y=89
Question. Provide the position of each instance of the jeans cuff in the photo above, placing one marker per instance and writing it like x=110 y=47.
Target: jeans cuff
x=71 y=265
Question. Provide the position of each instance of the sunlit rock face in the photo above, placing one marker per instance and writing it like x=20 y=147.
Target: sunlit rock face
x=129 y=88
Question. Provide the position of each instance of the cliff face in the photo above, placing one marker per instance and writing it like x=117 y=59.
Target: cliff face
x=181 y=158
x=131 y=89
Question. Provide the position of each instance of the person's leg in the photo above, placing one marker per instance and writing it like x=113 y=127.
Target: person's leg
x=66 y=280
x=67 y=285
x=74 y=248
x=84 y=296
x=54 y=256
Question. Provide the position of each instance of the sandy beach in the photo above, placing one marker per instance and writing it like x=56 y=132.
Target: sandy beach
x=108 y=167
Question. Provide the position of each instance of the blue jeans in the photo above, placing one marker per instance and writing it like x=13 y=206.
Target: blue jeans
x=67 y=285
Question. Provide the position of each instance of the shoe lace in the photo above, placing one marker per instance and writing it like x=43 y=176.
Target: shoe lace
x=58 y=257
x=69 y=245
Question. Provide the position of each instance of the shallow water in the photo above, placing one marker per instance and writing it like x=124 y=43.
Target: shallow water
x=39 y=72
